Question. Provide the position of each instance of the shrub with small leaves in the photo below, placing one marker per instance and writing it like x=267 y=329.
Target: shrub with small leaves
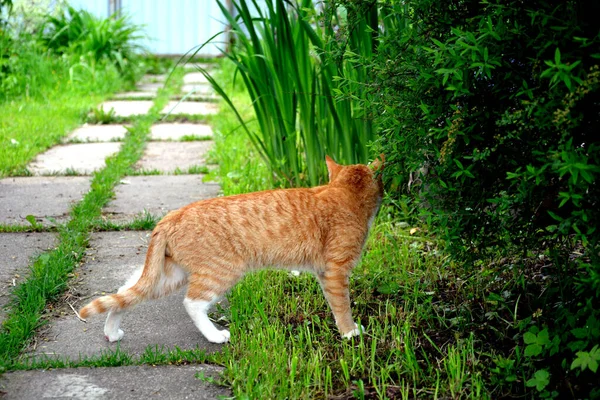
x=488 y=114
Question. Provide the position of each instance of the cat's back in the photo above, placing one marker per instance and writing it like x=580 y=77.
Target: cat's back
x=284 y=227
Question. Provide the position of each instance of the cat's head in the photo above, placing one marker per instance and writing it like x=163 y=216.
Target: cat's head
x=363 y=178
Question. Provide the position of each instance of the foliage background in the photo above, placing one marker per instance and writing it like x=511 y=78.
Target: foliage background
x=488 y=114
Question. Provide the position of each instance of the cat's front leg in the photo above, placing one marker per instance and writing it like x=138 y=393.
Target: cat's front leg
x=334 y=282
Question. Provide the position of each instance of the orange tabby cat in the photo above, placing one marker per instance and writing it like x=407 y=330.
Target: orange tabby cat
x=211 y=244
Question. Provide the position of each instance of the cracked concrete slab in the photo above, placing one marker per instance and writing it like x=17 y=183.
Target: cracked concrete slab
x=157 y=194
x=177 y=131
x=98 y=133
x=124 y=383
x=81 y=158
x=112 y=258
x=190 y=107
x=125 y=108
x=16 y=252
x=169 y=156
x=45 y=198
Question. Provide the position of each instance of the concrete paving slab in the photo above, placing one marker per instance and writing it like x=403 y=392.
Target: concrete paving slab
x=200 y=89
x=43 y=197
x=16 y=252
x=149 y=87
x=194 y=66
x=125 y=108
x=190 y=107
x=82 y=158
x=168 y=156
x=111 y=260
x=98 y=133
x=124 y=383
x=177 y=131
x=135 y=95
x=157 y=194
x=194 y=77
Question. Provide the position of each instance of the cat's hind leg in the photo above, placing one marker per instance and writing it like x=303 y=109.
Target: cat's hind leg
x=172 y=278
x=203 y=292
x=112 y=333
x=198 y=311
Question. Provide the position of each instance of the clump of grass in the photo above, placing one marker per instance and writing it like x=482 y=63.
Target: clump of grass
x=13 y=228
x=79 y=34
x=100 y=116
x=145 y=172
x=293 y=92
x=193 y=170
x=195 y=138
x=152 y=355
x=141 y=222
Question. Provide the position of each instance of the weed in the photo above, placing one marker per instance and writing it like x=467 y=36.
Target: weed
x=101 y=117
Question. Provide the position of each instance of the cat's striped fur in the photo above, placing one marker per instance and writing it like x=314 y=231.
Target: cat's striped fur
x=211 y=244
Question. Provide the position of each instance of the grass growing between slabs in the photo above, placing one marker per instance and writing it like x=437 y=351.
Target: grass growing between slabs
x=50 y=272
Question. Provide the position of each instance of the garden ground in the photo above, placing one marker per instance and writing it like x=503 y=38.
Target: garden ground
x=168 y=175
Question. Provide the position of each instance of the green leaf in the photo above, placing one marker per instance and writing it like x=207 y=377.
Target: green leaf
x=543 y=337
x=530 y=338
x=533 y=350
x=587 y=360
x=580 y=333
x=31 y=219
x=388 y=288
x=540 y=380
x=557 y=56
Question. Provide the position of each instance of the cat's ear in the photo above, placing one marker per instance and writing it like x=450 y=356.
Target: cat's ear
x=332 y=167
x=377 y=164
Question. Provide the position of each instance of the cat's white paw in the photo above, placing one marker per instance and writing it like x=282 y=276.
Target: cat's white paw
x=219 y=336
x=114 y=337
x=354 y=332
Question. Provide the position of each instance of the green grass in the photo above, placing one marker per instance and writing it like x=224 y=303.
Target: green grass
x=13 y=228
x=30 y=126
x=50 y=272
x=431 y=331
x=192 y=170
x=141 y=222
x=195 y=138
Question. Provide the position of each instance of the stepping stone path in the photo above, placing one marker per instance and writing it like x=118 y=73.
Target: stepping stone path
x=16 y=251
x=112 y=256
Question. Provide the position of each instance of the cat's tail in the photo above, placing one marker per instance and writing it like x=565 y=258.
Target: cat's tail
x=142 y=289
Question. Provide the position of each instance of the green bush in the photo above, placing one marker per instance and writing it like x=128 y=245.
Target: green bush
x=280 y=56
x=488 y=113
x=5 y=42
x=80 y=34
